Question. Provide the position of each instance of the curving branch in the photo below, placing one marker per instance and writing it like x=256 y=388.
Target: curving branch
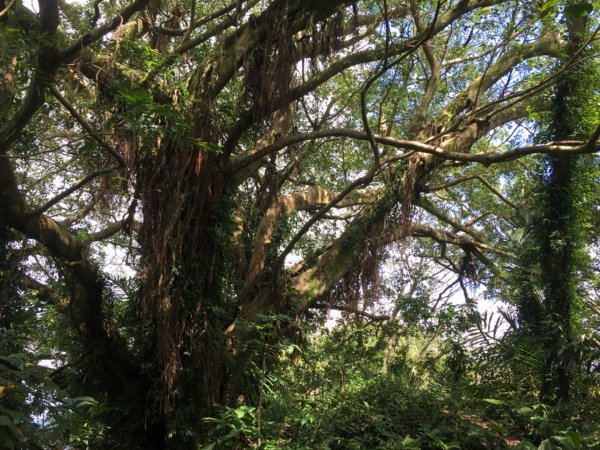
x=552 y=148
x=114 y=228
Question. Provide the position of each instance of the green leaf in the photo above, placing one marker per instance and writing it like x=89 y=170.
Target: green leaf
x=14 y=362
x=6 y=422
x=570 y=441
x=494 y=401
x=80 y=402
x=575 y=438
x=525 y=411
x=579 y=10
x=209 y=446
x=8 y=442
x=546 y=444
x=547 y=7
x=243 y=411
x=564 y=441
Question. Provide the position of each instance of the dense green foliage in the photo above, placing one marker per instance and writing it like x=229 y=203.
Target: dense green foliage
x=345 y=390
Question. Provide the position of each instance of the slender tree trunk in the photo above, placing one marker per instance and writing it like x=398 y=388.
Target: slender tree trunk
x=560 y=243
x=559 y=275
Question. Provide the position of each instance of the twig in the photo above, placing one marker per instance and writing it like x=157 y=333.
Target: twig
x=5 y=10
x=69 y=191
x=87 y=127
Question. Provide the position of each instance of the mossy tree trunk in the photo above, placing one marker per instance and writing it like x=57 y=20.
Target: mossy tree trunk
x=561 y=222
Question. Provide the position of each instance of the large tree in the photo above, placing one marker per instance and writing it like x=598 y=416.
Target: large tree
x=205 y=145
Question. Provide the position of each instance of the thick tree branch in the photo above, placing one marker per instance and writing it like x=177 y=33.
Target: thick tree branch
x=433 y=79
x=45 y=293
x=441 y=236
x=34 y=99
x=549 y=44
x=334 y=201
x=407 y=145
x=114 y=228
x=366 y=56
x=317 y=197
x=209 y=79
x=68 y=54
x=194 y=24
